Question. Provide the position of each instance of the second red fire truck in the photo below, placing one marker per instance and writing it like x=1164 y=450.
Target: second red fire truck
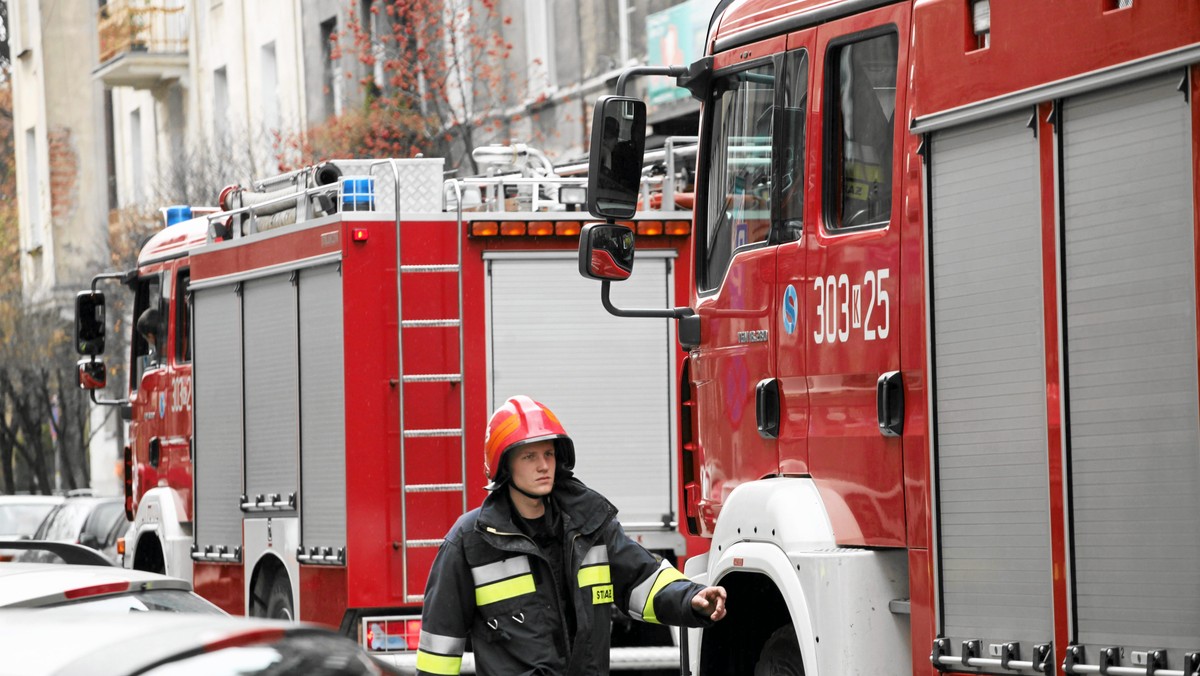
x=307 y=414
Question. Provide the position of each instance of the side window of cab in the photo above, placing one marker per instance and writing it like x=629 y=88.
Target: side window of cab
x=755 y=173
x=738 y=210
x=149 y=324
x=183 y=317
x=861 y=79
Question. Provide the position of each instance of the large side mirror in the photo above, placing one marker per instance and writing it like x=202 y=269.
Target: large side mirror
x=89 y=322
x=91 y=374
x=615 y=165
x=606 y=252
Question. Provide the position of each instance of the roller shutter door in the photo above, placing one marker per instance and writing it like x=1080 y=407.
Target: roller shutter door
x=1130 y=294
x=272 y=387
x=989 y=372
x=322 y=406
x=607 y=378
x=217 y=385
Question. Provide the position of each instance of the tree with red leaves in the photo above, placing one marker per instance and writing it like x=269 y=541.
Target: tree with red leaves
x=435 y=69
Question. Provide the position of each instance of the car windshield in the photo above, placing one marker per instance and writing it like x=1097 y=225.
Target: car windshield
x=166 y=600
x=22 y=519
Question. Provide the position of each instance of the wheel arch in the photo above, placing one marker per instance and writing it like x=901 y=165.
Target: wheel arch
x=268 y=567
x=763 y=575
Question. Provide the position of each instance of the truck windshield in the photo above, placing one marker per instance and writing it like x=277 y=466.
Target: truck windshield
x=739 y=178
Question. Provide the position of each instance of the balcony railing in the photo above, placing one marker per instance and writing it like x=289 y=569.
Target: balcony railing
x=127 y=26
x=141 y=43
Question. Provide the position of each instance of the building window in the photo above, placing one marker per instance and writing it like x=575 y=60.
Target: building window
x=220 y=105
x=539 y=44
x=270 y=87
x=330 y=77
x=33 y=182
x=137 y=168
x=370 y=22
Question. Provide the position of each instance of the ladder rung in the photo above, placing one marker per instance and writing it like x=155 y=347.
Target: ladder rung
x=425 y=323
x=433 y=488
x=414 y=598
x=425 y=543
x=429 y=268
x=451 y=432
x=434 y=378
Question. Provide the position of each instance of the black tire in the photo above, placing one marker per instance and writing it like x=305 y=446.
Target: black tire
x=279 y=599
x=780 y=655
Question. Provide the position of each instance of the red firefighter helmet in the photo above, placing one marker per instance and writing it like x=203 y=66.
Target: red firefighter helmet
x=519 y=421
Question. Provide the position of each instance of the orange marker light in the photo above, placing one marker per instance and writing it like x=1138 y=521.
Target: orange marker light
x=567 y=229
x=541 y=228
x=485 y=229
x=359 y=234
x=679 y=227
x=649 y=228
x=512 y=228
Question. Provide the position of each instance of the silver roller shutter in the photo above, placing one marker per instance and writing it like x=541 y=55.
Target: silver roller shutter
x=322 y=405
x=217 y=384
x=1131 y=368
x=607 y=378
x=990 y=401
x=272 y=386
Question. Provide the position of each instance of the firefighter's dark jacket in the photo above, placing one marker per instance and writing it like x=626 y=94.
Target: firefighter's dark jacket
x=492 y=582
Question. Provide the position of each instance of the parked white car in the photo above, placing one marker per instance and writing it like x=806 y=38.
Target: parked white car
x=37 y=643
x=20 y=516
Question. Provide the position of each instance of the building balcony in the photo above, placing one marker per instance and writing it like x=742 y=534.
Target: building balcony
x=142 y=45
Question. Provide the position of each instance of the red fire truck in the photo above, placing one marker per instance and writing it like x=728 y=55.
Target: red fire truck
x=306 y=412
x=939 y=412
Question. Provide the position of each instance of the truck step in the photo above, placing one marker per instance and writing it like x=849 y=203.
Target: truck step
x=429 y=323
x=425 y=543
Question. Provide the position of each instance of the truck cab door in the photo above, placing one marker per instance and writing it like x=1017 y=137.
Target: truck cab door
x=148 y=382
x=853 y=354
x=735 y=278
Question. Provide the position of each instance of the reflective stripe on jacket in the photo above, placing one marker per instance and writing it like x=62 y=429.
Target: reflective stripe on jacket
x=492 y=583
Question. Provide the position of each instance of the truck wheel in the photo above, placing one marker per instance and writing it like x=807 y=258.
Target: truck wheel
x=780 y=655
x=279 y=599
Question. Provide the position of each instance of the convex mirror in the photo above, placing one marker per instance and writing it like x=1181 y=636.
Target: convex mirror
x=606 y=252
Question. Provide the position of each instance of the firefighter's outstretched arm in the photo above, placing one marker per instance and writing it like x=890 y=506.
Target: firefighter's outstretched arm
x=652 y=590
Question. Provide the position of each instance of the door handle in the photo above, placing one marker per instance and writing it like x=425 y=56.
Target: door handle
x=889 y=404
x=766 y=408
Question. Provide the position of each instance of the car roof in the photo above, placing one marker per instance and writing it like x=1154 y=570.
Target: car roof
x=40 y=643
x=31 y=499
x=40 y=584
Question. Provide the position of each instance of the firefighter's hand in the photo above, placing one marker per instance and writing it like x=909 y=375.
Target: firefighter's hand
x=711 y=602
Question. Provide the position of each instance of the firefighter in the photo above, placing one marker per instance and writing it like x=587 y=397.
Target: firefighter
x=531 y=576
